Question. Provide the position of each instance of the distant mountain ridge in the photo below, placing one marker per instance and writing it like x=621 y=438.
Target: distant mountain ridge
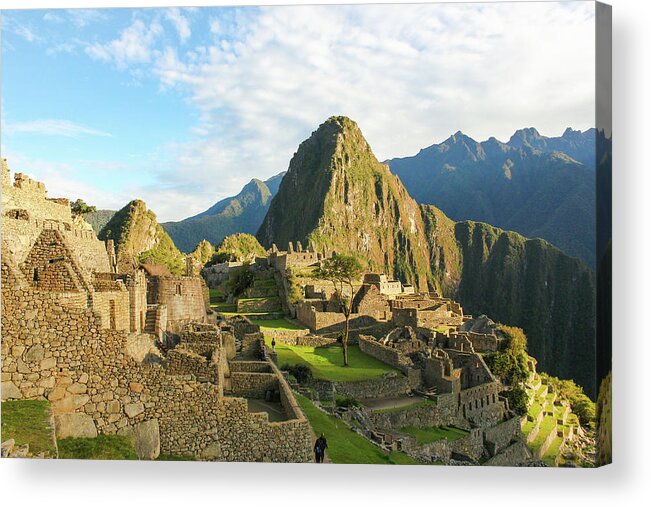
x=337 y=197
x=538 y=186
x=241 y=213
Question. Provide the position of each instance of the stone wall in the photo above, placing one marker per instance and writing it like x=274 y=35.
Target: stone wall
x=253 y=385
x=62 y=354
x=499 y=437
x=426 y=416
x=182 y=361
x=329 y=322
x=374 y=388
x=182 y=295
x=391 y=356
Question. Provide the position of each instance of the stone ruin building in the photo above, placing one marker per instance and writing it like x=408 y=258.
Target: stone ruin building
x=131 y=353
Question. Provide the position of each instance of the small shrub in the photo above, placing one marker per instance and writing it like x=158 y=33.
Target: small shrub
x=517 y=398
x=301 y=372
x=346 y=402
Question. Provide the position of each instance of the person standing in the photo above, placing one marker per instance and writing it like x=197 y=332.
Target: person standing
x=320 y=446
x=273 y=344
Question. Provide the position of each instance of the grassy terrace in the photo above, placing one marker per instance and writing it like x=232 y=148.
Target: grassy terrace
x=403 y=408
x=279 y=324
x=346 y=446
x=28 y=422
x=434 y=434
x=100 y=447
x=327 y=363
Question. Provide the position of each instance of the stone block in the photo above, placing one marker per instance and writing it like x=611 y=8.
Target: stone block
x=75 y=425
x=69 y=404
x=133 y=409
x=77 y=388
x=34 y=353
x=48 y=363
x=146 y=438
x=10 y=391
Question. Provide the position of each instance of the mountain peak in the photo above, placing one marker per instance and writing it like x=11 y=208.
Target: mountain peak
x=524 y=136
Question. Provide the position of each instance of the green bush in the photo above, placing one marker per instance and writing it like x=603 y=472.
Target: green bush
x=301 y=372
x=346 y=402
x=518 y=399
x=509 y=366
x=568 y=390
x=242 y=280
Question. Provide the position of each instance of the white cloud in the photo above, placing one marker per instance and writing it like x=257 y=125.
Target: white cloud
x=27 y=33
x=52 y=127
x=133 y=46
x=410 y=75
x=180 y=22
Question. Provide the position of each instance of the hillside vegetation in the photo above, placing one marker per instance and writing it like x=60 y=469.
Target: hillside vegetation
x=337 y=197
x=139 y=238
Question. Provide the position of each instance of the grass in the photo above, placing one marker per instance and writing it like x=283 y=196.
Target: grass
x=28 y=422
x=267 y=298
x=434 y=434
x=327 y=363
x=100 y=447
x=346 y=446
x=553 y=450
x=413 y=406
x=223 y=306
x=277 y=324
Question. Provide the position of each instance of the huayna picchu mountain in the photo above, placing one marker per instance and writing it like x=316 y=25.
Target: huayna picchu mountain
x=139 y=238
x=336 y=196
x=241 y=213
x=538 y=186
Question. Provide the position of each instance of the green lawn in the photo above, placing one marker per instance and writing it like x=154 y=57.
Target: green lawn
x=223 y=307
x=327 y=363
x=28 y=422
x=277 y=324
x=428 y=435
x=346 y=446
x=100 y=447
x=268 y=298
x=403 y=408
x=553 y=450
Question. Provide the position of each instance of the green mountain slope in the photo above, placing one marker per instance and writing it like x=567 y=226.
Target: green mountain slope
x=139 y=238
x=523 y=282
x=242 y=213
x=535 y=185
x=338 y=197
x=98 y=219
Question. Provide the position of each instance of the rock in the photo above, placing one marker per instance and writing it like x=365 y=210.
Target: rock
x=48 y=363
x=34 y=353
x=10 y=391
x=136 y=387
x=69 y=404
x=75 y=425
x=212 y=452
x=133 y=409
x=7 y=447
x=77 y=388
x=146 y=438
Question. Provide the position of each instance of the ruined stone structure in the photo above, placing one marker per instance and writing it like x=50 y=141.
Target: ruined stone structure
x=79 y=334
x=292 y=258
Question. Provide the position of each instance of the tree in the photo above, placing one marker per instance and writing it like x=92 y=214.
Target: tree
x=342 y=271
x=79 y=207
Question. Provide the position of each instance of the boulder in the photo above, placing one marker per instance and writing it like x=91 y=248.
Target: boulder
x=34 y=353
x=133 y=409
x=75 y=425
x=10 y=391
x=146 y=438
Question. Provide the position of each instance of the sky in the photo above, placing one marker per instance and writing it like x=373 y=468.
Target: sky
x=181 y=107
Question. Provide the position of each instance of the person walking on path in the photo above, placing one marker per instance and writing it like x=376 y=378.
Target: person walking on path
x=319 y=448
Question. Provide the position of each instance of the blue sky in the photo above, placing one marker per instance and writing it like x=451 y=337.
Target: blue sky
x=181 y=107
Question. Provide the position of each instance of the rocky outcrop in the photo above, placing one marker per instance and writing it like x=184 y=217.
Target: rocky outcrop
x=140 y=239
